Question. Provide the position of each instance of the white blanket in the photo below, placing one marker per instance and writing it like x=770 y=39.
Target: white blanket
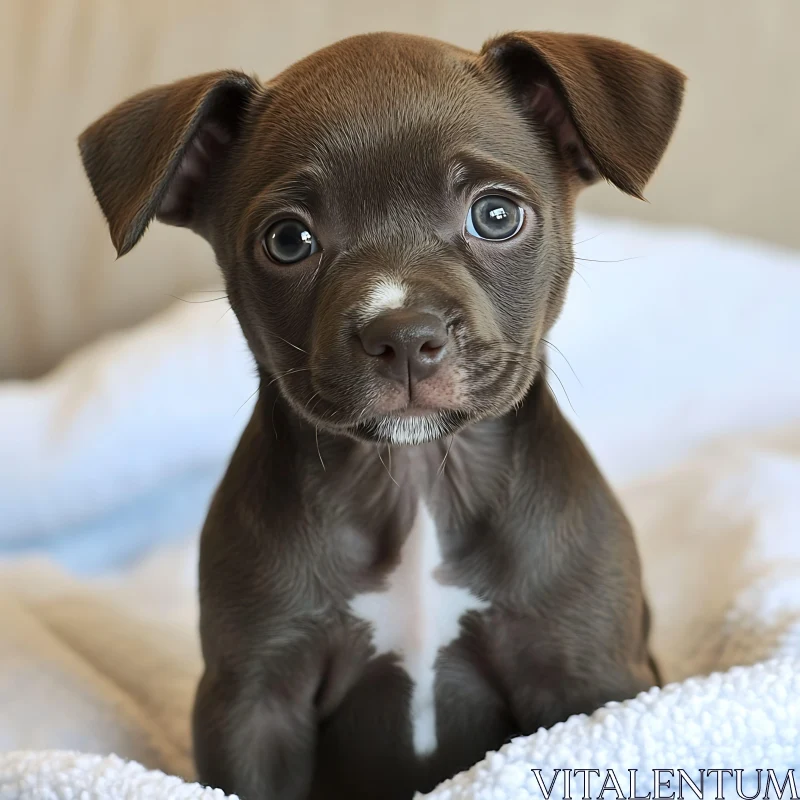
x=689 y=394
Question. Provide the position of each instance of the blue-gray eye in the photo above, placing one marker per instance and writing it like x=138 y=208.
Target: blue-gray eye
x=289 y=241
x=494 y=217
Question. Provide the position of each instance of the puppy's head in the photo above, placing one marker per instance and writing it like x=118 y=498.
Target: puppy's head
x=392 y=215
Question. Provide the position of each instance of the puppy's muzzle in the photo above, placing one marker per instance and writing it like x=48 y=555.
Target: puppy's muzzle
x=406 y=346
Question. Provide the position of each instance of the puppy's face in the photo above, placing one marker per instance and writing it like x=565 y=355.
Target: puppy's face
x=392 y=215
x=401 y=242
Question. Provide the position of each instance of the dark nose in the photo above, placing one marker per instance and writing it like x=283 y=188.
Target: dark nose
x=409 y=344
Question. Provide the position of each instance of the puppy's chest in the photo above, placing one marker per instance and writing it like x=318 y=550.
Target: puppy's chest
x=415 y=614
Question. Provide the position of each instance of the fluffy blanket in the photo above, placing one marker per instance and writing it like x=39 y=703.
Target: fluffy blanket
x=108 y=462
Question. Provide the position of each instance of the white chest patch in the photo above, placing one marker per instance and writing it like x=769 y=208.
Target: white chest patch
x=414 y=617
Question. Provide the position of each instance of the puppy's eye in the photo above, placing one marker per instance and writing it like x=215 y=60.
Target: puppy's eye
x=494 y=217
x=289 y=241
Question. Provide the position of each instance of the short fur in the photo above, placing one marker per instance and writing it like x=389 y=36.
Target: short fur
x=379 y=144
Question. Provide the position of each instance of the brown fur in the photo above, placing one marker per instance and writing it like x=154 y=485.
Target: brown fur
x=379 y=144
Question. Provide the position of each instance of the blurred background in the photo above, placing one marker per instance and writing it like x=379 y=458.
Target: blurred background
x=733 y=165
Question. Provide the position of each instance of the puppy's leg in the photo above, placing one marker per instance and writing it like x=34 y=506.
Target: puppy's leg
x=540 y=703
x=254 y=739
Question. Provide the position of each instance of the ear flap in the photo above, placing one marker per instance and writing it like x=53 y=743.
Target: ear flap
x=151 y=155
x=610 y=108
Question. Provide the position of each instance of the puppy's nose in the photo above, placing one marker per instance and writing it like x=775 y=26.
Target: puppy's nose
x=409 y=344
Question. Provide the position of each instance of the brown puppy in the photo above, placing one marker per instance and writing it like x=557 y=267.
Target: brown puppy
x=393 y=219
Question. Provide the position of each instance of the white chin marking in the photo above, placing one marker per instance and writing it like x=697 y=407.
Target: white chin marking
x=415 y=616
x=385 y=294
x=409 y=430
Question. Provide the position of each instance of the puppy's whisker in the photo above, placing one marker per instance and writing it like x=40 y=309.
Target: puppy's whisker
x=291 y=344
x=583 y=241
x=285 y=374
x=388 y=471
x=313 y=396
x=246 y=402
x=184 y=300
x=550 y=344
x=580 y=275
x=548 y=367
x=311 y=410
x=364 y=411
x=611 y=261
x=319 y=453
x=440 y=471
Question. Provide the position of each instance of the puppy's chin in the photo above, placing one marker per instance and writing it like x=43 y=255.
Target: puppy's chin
x=410 y=429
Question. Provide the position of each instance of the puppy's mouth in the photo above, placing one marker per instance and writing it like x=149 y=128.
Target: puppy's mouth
x=366 y=407
x=382 y=420
x=412 y=414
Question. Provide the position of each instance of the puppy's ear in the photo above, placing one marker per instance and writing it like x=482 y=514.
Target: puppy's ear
x=609 y=108
x=152 y=155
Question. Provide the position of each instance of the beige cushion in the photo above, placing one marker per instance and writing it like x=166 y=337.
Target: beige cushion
x=733 y=165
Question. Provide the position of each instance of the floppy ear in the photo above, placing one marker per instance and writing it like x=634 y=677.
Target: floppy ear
x=609 y=108
x=152 y=155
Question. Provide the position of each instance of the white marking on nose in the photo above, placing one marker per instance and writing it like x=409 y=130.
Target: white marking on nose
x=415 y=616
x=385 y=294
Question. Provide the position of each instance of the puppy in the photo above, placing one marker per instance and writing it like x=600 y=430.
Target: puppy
x=412 y=558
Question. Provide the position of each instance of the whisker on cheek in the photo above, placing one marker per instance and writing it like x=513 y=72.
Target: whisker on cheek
x=286 y=373
x=313 y=396
x=548 y=367
x=291 y=344
x=550 y=344
x=312 y=409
